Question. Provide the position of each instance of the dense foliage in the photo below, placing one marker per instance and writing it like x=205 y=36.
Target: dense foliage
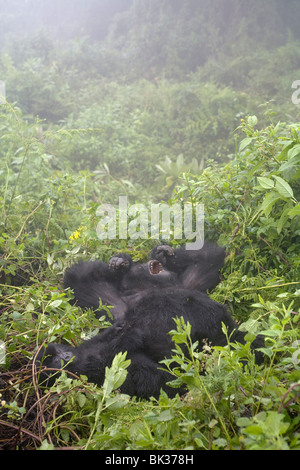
x=88 y=120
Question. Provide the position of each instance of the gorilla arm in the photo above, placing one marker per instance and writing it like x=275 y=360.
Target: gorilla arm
x=92 y=281
x=196 y=269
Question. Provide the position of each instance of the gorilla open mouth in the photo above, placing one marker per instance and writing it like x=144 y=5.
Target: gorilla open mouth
x=155 y=267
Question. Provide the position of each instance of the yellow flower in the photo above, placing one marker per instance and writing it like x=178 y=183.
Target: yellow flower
x=75 y=235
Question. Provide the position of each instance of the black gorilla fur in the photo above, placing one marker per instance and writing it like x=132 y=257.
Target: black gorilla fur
x=146 y=298
x=122 y=283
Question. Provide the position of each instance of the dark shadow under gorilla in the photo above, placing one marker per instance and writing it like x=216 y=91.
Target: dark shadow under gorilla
x=146 y=298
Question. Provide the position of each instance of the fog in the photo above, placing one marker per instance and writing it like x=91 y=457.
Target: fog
x=63 y=19
x=57 y=45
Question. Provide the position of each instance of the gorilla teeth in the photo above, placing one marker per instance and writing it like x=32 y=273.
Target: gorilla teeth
x=155 y=267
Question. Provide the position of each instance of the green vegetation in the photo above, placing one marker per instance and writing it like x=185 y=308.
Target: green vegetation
x=167 y=101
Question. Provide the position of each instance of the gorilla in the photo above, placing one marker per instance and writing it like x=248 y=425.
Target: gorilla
x=122 y=283
x=145 y=299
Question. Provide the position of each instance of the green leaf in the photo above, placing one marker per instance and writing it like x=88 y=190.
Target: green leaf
x=283 y=219
x=30 y=307
x=274 y=423
x=265 y=183
x=295 y=211
x=245 y=143
x=115 y=375
x=46 y=445
x=199 y=443
x=283 y=188
x=294 y=152
x=65 y=435
x=117 y=402
x=220 y=442
x=254 y=429
x=243 y=422
x=283 y=155
x=56 y=303
x=268 y=202
x=81 y=398
x=292 y=163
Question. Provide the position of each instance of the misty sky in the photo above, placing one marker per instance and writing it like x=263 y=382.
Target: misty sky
x=63 y=18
